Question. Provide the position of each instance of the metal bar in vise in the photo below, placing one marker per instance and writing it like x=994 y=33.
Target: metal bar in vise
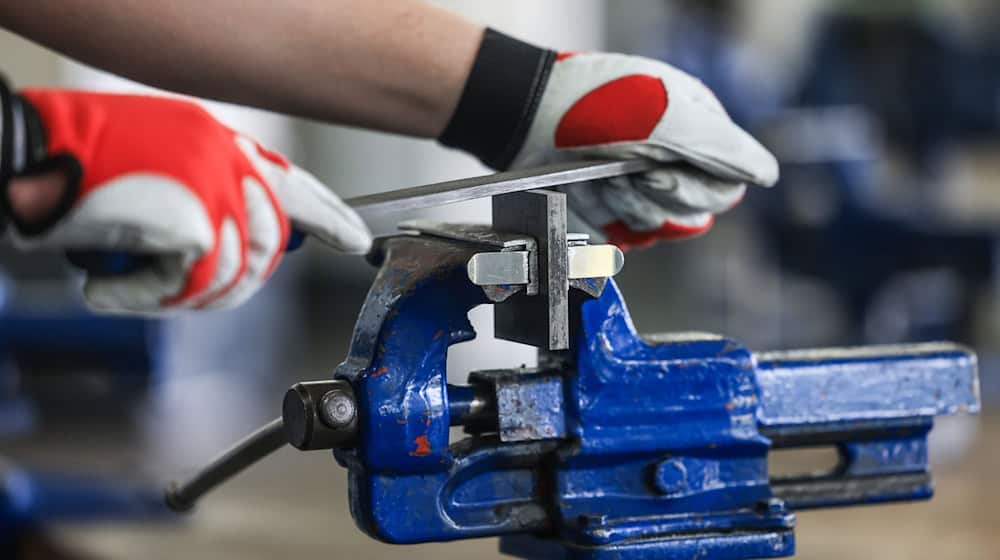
x=553 y=175
x=541 y=320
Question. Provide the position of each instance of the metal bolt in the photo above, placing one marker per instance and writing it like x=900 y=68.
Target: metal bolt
x=337 y=409
x=320 y=415
x=671 y=476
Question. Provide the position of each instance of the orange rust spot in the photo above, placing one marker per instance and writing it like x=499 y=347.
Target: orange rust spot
x=730 y=405
x=438 y=335
x=381 y=371
x=423 y=447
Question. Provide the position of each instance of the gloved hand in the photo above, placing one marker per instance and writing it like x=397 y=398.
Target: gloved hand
x=161 y=177
x=529 y=106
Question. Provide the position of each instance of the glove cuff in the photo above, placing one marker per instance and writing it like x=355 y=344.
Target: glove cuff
x=10 y=151
x=23 y=151
x=500 y=99
x=22 y=136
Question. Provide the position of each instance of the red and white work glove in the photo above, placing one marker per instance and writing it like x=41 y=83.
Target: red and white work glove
x=161 y=177
x=544 y=107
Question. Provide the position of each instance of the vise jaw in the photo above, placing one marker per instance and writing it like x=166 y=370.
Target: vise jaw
x=617 y=445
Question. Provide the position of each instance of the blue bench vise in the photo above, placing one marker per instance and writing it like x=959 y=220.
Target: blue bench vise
x=616 y=445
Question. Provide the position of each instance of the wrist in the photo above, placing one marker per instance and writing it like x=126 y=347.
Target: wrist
x=499 y=100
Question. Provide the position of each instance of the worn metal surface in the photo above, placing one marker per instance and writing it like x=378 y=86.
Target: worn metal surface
x=481 y=234
x=874 y=405
x=866 y=384
x=527 y=404
x=407 y=484
x=540 y=320
x=490 y=269
x=486 y=236
x=596 y=261
x=552 y=175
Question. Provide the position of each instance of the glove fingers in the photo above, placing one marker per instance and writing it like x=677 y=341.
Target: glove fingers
x=265 y=242
x=698 y=133
x=615 y=210
x=642 y=222
x=625 y=238
x=173 y=281
x=585 y=200
x=315 y=209
x=640 y=213
x=139 y=293
x=311 y=206
x=689 y=190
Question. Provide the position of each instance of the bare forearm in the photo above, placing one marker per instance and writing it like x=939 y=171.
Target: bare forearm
x=397 y=66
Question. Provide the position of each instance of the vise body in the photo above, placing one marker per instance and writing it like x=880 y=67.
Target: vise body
x=616 y=445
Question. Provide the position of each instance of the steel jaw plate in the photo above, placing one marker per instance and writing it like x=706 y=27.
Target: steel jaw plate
x=512 y=267
x=532 y=270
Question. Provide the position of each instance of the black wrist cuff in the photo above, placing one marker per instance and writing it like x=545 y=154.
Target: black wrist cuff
x=500 y=99
x=22 y=136
x=7 y=131
x=23 y=152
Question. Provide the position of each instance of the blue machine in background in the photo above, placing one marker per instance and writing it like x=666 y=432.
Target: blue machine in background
x=924 y=91
x=872 y=86
x=58 y=358
x=52 y=347
x=30 y=500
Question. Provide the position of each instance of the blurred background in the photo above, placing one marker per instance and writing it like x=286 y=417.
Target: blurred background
x=884 y=228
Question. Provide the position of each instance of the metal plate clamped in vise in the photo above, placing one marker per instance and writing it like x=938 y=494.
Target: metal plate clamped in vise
x=532 y=270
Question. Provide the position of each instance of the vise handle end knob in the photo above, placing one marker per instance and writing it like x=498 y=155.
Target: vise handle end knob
x=315 y=415
x=320 y=415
